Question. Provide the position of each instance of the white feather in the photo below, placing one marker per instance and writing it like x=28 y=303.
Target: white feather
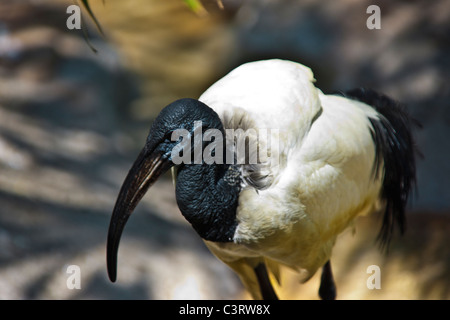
x=323 y=180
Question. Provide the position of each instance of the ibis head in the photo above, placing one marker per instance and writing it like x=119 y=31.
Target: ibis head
x=153 y=161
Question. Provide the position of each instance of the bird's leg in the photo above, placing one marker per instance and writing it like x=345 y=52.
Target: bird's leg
x=265 y=286
x=327 y=290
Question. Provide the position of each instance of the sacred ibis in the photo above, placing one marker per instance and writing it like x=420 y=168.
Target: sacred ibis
x=338 y=157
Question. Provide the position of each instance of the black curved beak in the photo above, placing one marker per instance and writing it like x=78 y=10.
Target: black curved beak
x=147 y=168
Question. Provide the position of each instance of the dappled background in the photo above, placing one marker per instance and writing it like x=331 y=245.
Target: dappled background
x=72 y=121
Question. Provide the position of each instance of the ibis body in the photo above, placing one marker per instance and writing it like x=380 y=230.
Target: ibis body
x=337 y=157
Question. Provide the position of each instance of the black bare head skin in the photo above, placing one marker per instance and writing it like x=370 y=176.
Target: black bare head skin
x=199 y=186
x=180 y=114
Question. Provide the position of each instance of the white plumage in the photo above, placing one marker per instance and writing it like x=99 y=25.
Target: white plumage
x=325 y=178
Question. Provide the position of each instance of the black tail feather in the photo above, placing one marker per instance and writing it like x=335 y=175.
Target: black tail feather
x=395 y=149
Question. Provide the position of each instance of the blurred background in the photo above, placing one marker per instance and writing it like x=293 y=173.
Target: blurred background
x=72 y=122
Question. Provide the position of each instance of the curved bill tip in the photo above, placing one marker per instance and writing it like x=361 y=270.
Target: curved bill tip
x=111 y=256
x=144 y=172
x=119 y=217
x=112 y=271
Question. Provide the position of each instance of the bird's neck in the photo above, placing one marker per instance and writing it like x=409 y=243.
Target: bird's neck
x=207 y=196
